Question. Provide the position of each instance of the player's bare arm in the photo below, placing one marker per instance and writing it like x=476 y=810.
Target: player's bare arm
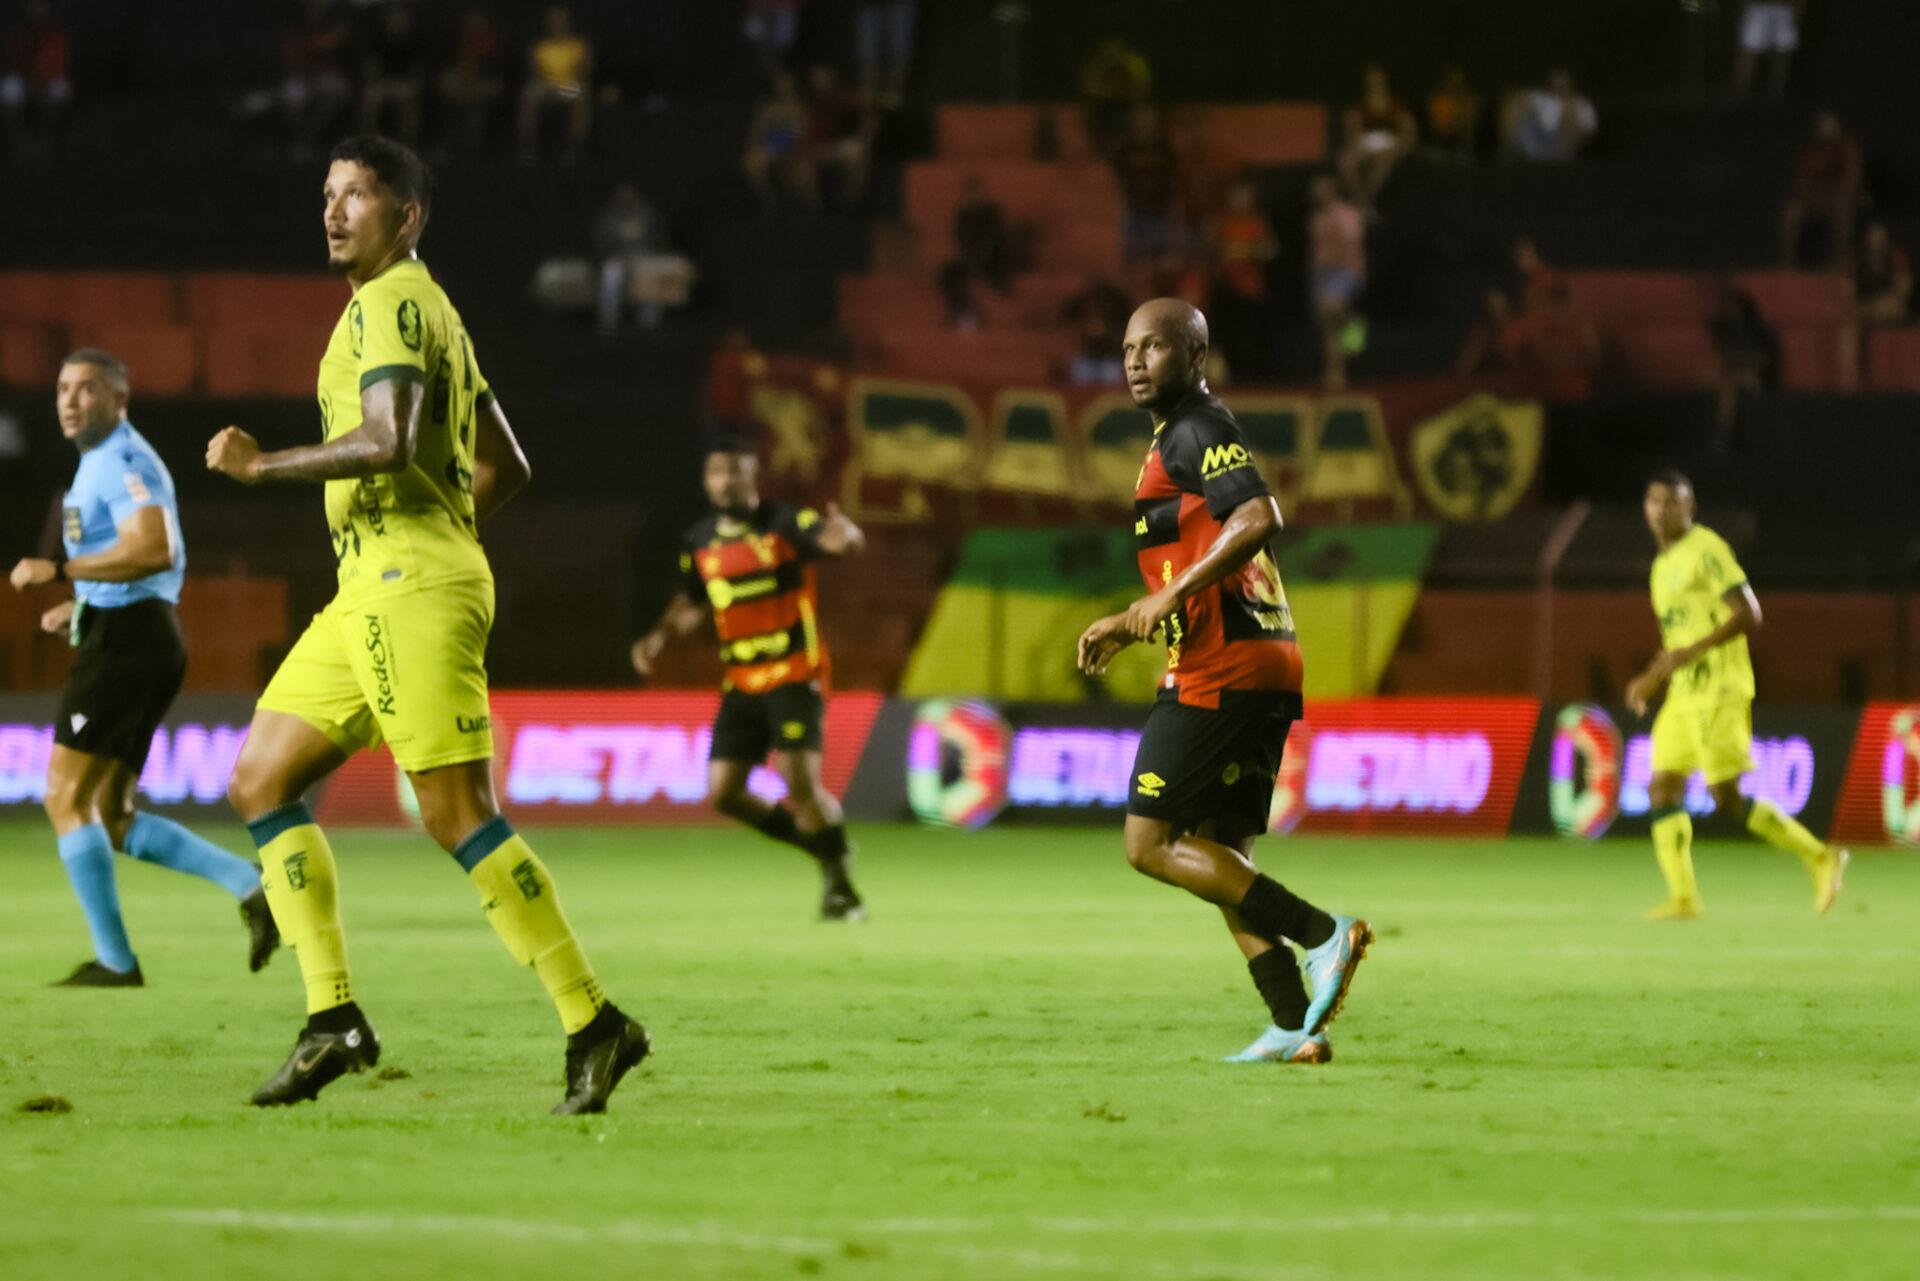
x=390 y=413
x=1103 y=638
x=500 y=467
x=839 y=536
x=682 y=616
x=1743 y=619
x=145 y=547
x=1245 y=532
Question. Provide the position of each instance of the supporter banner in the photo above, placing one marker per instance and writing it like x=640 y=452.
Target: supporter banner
x=916 y=450
x=1430 y=765
x=1591 y=766
x=1880 y=801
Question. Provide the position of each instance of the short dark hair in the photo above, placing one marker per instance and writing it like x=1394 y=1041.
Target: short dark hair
x=395 y=163
x=106 y=362
x=1672 y=478
x=727 y=440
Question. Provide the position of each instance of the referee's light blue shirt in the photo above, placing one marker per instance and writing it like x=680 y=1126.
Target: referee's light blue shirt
x=116 y=478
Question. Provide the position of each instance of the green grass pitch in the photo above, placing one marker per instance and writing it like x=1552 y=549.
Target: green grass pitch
x=1010 y=1072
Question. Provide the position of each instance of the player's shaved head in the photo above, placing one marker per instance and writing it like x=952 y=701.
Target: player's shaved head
x=1165 y=353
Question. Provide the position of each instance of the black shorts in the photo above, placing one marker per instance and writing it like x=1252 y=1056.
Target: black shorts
x=1197 y=765
x=125 y=676
x=786 y=718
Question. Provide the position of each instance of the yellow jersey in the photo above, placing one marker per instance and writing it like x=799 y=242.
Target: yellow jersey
x=415 y=527
x=1690 y=581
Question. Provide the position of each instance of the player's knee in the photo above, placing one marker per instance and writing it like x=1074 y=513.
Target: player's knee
x=1146 y=855
x=65 y=801
x=252 y=791
x=1727 y=799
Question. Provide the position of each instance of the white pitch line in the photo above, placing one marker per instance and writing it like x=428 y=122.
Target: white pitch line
x=1370 y=1220
x=644 y=1233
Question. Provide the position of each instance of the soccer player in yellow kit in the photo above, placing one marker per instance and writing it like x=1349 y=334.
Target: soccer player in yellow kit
x=416 y=453
x=1706 y=610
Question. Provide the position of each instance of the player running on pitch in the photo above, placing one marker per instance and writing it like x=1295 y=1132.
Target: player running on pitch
x=126 y=559
x=1203 y=777
x=1706 y=610
x=752 y=562
x=415 y=455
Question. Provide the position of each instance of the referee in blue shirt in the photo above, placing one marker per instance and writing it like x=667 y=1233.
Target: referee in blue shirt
x=125 y=560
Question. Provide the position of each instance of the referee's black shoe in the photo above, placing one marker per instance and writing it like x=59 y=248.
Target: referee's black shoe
x=94 y=974
x=598 y=1055
x=839 y=901
x=320 y=1057
x=262 y=934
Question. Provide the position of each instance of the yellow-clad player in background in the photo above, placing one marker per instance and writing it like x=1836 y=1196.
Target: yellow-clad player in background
x=1706 y=610
x=415 y=454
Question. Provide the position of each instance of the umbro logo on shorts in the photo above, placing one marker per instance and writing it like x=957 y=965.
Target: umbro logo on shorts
x=1150 y=784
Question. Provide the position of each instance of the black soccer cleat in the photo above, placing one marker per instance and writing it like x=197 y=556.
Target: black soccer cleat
x=319 y=1058
x=94 y=974
x=838 y=902
x=263 y=935
x=598 y=1055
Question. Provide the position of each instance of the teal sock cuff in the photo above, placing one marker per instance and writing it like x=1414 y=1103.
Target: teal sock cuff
x=482 y=841
x=275 y=822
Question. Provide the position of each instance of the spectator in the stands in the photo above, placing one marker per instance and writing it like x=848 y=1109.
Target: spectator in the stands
x=1240 y=249
x=318 y=87
x=1882 y=295
x=778 y=161
x=1491 y=343
x=394 y=64
x=1828 y=195
x=1749 y=353
x=883 y=40
x=1149 y=175
x=1114 y=81
x=1768 y=29
x=637 y=263
x=771 y=28
x=1337 y=272
x=1555 y=343
x=471 y=82
x=840 y=129
x=36 y=88
x=983 y=251
x=1204 y=171
x=559 y=75
x=1549 y=124
x=1453 y=119
x=1379 y=132
x=1097 y=314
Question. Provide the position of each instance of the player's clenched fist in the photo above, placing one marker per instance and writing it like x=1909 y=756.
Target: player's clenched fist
x=236 y=454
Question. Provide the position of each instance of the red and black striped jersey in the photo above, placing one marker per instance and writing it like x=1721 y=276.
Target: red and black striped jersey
x=757 y=574
x=1236 y=635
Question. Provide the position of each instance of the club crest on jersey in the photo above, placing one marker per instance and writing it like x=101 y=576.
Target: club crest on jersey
x=356 y=328
x=408 y=318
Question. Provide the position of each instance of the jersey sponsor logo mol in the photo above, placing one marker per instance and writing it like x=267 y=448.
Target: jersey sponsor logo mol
x=1220 y=459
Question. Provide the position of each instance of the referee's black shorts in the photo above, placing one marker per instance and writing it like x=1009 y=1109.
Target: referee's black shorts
x=1200 y=764
x=125 y=676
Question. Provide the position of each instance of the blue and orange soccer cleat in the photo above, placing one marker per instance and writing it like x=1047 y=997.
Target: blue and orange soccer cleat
x=1278 y=1045
x=1330 y=969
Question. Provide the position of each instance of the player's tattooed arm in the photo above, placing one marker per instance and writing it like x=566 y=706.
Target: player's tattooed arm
x=144 y=547
x=838 y=535
x=500 y=467
x=1246 y=531
x=682 y=616
x=390 y=413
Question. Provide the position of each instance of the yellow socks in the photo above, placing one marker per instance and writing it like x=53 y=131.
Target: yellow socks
x=1774 y=826
x=297 y=872
x=524 y=910
x=1673 y=846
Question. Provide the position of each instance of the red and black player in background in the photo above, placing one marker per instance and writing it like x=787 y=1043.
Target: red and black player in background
x=751 y=563
x=1202 y=782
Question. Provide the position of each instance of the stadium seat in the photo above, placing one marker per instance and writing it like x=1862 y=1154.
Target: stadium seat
x=1809 y=356
x=995 y=132
x=120 y=297
x=1796 y=297
x=29 y=356
x=1616 y=299
x=160 y=358
x=1275 y=133
x=260 y=359
x=309 y=304
x=29 y=297
x=1664 y=356
x=232 y=622
x=1893 y=359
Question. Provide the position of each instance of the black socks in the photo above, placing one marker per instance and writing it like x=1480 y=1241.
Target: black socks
x=1277 y=974
x=1275 y=913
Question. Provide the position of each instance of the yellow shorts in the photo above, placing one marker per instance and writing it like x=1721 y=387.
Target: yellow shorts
x=1714 y=738
x=407 y=668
